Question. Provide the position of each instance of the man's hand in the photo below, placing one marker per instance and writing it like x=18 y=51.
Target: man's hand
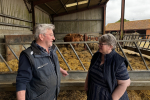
x=21 y=95
x=64 y=72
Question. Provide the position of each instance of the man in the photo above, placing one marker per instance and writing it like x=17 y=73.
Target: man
x=38 y=75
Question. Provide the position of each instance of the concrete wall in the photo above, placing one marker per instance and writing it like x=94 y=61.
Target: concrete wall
x=64 y=27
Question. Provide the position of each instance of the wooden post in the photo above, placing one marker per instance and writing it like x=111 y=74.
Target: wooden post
x=104 y=19
x=33 y=15
x=122 y=20
x=85 y=39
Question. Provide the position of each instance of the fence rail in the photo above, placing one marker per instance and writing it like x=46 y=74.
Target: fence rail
x=135 y=43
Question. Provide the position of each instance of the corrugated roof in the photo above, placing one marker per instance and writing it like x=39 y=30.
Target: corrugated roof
x=58 y=7
x=130 y=25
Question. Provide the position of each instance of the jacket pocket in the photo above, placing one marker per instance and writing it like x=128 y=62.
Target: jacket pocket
x=42 y=66
x=44 y=70
x=42 y=96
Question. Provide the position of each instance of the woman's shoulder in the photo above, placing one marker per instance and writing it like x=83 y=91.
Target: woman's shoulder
x=121 y=59
x=118 y=55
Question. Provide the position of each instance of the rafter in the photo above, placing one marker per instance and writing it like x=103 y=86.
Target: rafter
x=50 y=8
x=99 y=2
x=77 y=4
x=88 y=3
x=80 y=10
x=41 y=2
x=63 y=6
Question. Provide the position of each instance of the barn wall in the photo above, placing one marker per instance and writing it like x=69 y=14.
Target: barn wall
x=17 y=8
x=64 y=26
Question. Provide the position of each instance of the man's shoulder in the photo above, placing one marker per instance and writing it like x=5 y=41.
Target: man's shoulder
x=28 y=50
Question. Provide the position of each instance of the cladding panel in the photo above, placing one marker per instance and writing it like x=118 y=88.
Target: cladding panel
x=69 y=24
x=17 y=8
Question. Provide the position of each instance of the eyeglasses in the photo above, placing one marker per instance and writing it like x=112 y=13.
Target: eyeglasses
x=49 y=34
x=101 y=44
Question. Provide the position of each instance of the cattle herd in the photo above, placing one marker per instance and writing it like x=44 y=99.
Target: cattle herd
x=75 y=37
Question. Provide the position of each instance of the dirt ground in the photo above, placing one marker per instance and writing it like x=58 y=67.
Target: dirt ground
x=81 y=95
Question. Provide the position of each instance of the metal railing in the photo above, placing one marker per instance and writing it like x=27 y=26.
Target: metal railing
x=86 y=43
x=143 y=42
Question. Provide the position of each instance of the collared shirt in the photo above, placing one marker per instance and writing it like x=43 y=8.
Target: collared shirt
x=44 y=50
x=49 y=53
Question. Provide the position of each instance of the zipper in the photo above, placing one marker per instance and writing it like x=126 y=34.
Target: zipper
x=42 y=66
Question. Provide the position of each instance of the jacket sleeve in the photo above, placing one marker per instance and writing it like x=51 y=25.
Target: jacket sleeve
x=24 y=74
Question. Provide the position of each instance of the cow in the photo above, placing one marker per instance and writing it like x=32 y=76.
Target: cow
x=73 y=38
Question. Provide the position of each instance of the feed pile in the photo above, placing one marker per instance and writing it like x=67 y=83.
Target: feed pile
x=81 y=95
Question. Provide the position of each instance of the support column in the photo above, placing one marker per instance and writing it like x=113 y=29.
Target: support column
x=104 y=18
x=122 y=20
x=33 y=16
x=52 y=20
x=85 y=39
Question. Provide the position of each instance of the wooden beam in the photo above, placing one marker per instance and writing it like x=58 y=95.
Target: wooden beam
x=33 y=16
x=79 y=10
x=77 y=5
x=99 y=2
x=41 y=2
x=63 y=6
x=77 y=20
x=104 y=19
x=122 y=19
x=50 y=8
x=88 y=3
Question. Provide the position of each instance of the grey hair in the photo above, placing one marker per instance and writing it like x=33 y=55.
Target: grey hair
x=42 y=29
x=109 y=39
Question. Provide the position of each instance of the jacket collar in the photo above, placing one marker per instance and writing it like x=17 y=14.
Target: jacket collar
x=107 y=56
x=37 y=51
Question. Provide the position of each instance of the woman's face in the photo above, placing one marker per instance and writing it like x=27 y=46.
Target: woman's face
x=105 y=48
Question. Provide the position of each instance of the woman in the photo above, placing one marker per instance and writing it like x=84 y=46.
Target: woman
x=107 y=78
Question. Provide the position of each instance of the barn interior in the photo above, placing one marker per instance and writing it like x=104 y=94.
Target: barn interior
x=84 y=17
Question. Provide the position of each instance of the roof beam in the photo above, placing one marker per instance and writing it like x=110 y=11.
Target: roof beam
x=29 y=10
x=99 y=2
x=80 y=10
x=88 y=3
x=77 y=5
x=50 y=8
x=63 y=5
x=41 y=2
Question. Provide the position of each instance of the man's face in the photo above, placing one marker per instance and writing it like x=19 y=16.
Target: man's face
x=49 y=37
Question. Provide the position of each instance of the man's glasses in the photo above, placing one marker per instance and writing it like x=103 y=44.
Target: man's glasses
x=49 y=34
